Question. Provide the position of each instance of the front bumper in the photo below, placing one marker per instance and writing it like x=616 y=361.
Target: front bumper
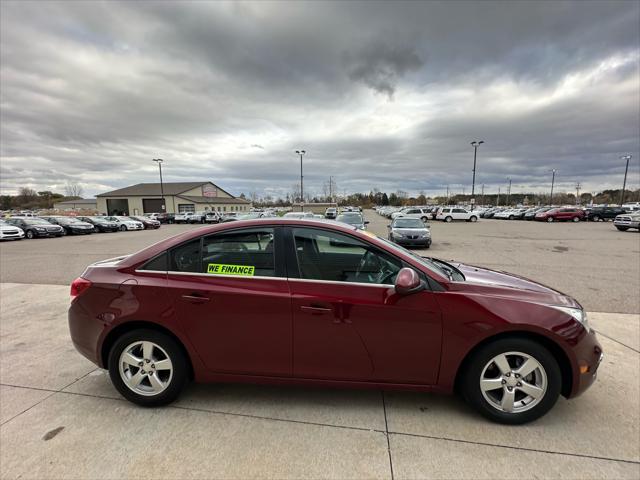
x=412 y=242
x=588 y=355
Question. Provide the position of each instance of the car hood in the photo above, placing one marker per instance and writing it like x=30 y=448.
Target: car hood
x=510 y=285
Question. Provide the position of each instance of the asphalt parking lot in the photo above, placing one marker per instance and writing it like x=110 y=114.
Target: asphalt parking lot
x=60 y=416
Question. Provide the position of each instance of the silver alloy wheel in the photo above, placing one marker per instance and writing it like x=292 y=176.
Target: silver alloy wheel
x=145 y=368
x=513 y=382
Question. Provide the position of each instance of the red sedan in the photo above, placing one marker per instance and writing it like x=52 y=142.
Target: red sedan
x=315 y=303
x=560 y=215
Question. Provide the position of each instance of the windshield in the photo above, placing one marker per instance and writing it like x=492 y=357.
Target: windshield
x=351 y=218
x=408 y=223
x=438 y=266
x=36 y=221
x=98 y=219
x=66 y=220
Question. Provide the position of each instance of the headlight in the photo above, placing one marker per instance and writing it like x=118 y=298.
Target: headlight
x=424 y=235
x=397 y=234
x=41 y=229
x=578 y=314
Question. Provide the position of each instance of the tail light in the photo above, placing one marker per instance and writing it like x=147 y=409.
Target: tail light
x=78 y=287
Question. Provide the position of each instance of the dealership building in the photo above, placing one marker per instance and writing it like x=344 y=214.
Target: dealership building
x=179 y=197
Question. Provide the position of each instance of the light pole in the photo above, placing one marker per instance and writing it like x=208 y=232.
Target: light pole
x=626 y=170
x=553 y=179
x=475 y=145
x=509 y=191
x=301 y=153
x=159 y=162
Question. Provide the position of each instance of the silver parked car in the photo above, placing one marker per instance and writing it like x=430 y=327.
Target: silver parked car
x=410 y=232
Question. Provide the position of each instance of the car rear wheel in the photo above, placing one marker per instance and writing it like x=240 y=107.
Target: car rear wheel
x=448 y=219
x=473 y=219
x=148 y=367
x=575 y=219
x=512 y=381
x=550 y=219
x=123 y=228
x=595 y=218
x=424 y=219
x=510 y=217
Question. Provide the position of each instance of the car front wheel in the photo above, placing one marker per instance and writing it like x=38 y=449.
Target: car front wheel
x=550 y=219
x=512 y=381
x=123 y=228
x=595 y=218
x=148 y=367
x=29 y=234
x=473 y=219
x=575 y=219
x=448 y=219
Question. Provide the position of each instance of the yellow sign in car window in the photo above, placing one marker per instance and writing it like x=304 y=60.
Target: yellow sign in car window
x=223 y=269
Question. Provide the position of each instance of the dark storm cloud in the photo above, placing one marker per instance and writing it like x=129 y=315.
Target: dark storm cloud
x=380 y=67
x=381 y=94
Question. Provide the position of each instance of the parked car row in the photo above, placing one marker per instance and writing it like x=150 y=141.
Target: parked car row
x=553 y=213
x=18 y=227
x=444 y=213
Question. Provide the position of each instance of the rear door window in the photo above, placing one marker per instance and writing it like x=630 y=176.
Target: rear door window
x=248 y=253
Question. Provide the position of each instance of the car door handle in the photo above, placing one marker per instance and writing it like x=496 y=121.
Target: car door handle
x=196 y=298
x=317 y=310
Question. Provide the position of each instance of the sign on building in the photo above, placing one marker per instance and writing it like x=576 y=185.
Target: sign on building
x=209 y=190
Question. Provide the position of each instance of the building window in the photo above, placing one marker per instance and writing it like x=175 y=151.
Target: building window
x=186 y=207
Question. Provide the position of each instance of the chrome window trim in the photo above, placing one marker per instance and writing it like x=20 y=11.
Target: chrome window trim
x=216 y=275
x=336 y=282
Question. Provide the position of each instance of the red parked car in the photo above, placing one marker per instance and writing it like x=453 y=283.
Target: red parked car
x=313 y=303
x=560 y=215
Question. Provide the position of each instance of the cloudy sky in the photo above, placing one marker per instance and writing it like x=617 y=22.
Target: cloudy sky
x=381 y=95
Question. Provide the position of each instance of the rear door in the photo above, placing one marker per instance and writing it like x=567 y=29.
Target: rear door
x=231 y=295
x=348 y=322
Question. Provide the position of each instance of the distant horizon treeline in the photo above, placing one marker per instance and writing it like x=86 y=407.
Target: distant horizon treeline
x=401 y=198
x=28 y=198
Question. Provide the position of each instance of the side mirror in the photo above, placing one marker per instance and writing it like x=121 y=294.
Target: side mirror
x=366 y=222
x=408 y=282
x=388 y=226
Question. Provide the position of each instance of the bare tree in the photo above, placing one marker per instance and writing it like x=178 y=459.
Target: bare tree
x=73 y=189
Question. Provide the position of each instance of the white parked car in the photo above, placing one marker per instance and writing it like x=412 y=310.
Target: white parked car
x=412 y=212
x=191 y=217
x=9 y=232
x=299 y=215
x=126 y=223
x=448 y=214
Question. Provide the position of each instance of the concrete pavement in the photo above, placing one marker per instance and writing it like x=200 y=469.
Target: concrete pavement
x=61 y=418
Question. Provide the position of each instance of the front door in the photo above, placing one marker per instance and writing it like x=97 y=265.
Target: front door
x=348 y=322
x=231 y=296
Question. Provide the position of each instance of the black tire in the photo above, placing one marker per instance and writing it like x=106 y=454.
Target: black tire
x=473 y=218
x=575 y=219
x=550 y=219
x=595 y=218
x=510 y=217
x=29 y=234
x=448 y=219
x=424 y=219
x=470 y=379
x=622 y=229
x=180 y=374
x=123 y=228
